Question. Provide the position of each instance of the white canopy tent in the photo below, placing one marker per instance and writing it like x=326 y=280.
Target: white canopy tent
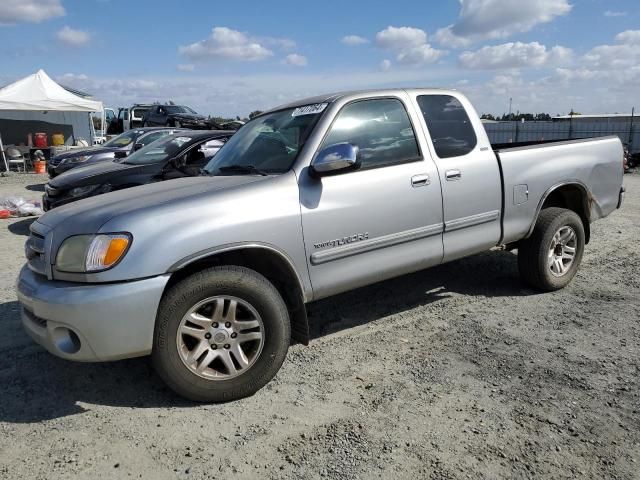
x=38 y=92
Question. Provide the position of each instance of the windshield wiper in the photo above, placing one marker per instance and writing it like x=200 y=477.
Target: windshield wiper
x=243 y=169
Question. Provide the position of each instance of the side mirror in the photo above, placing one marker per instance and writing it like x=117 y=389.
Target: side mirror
x=335 y=158
x=137 y=146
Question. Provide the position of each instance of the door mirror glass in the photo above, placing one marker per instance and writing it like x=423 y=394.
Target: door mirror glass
x=335 y=158
x=138 y=146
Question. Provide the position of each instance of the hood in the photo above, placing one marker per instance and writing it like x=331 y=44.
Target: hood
x=188 y=116
x=88 y=215
x=82 y=152
x=92 y=174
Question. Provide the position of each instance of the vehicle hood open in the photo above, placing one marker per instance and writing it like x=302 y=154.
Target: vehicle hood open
x=188 y=117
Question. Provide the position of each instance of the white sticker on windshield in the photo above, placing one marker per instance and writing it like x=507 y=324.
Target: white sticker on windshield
x=309 y=109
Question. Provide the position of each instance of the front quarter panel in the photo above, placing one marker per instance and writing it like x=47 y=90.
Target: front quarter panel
x=265 y=212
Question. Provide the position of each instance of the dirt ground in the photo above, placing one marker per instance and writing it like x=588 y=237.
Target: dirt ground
x=455 y=372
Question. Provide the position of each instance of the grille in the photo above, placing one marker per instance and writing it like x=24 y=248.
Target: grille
x=34 y=251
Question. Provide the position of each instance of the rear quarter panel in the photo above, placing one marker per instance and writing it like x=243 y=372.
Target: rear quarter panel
x=595 y=165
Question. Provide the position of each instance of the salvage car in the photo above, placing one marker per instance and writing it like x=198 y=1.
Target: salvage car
x=118 y=147
x=211 y=274
x=177 y=116
x=173 y=156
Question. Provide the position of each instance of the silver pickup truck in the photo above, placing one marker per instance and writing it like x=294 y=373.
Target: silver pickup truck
x=210 y=275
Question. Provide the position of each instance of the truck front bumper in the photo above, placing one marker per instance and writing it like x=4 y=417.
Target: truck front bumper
x=90 y=322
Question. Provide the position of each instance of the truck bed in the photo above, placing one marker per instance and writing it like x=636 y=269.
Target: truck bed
x=531 y=171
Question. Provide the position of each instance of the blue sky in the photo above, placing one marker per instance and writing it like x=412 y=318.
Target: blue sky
x=229 y=58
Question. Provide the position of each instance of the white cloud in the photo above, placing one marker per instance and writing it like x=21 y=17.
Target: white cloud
x=296 y=60
x=398 y=38
x=629 y=37
x=72 y=77
x=32 y=11
x=514 y=55
x=420 y=55
x=72 y=37
x=228 y=44
x=354 y=40
x=626 y=53
x=611 y=13
x=185 y=67
x=281 y=43
x=409 y=44
x=385 y=65
x=491 y=19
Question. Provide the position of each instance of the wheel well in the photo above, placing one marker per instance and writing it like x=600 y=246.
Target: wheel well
x=571 y=197
x=272 y=266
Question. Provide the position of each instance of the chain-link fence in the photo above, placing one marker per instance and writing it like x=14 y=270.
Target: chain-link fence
x=508 y=132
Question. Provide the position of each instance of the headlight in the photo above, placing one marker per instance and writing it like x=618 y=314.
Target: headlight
x=92 y=253
x=78 y=191
x=79 y=159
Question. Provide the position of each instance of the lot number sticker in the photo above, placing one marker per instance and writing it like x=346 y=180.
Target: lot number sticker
x=309 y=109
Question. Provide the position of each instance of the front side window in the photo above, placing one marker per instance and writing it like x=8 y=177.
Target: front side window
x=451 y=130
x=381 y=130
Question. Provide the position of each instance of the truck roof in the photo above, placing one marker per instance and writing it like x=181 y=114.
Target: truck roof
x=332 y=97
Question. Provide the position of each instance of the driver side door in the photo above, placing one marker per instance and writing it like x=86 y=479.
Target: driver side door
x=382 y=220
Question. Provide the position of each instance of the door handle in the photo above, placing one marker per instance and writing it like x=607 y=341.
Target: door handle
x=451 y=175
x=420 y=180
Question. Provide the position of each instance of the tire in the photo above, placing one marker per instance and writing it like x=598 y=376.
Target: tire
x=145 y=124
x=539 y=268
x=208 y=378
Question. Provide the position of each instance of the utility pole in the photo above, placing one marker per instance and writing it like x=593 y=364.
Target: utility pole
x=510 y=104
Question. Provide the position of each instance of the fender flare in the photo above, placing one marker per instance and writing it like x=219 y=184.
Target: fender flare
x=587 y=199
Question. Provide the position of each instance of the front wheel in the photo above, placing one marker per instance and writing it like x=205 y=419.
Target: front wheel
x=221 y=334
x=549 y=259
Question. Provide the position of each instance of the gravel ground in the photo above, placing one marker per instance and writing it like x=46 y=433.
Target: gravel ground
x=454 y=372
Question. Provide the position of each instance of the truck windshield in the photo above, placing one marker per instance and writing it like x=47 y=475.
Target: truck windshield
x=269 y=143
x=159 y=151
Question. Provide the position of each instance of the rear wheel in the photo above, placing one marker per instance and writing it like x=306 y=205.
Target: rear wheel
x=221 y=334
x=549 y=259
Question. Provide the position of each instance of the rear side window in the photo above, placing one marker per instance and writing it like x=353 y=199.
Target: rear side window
x=449 y=125
x=139 y=112
x=381 y=130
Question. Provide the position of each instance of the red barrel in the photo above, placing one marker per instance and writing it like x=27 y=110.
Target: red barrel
x=41 y=140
